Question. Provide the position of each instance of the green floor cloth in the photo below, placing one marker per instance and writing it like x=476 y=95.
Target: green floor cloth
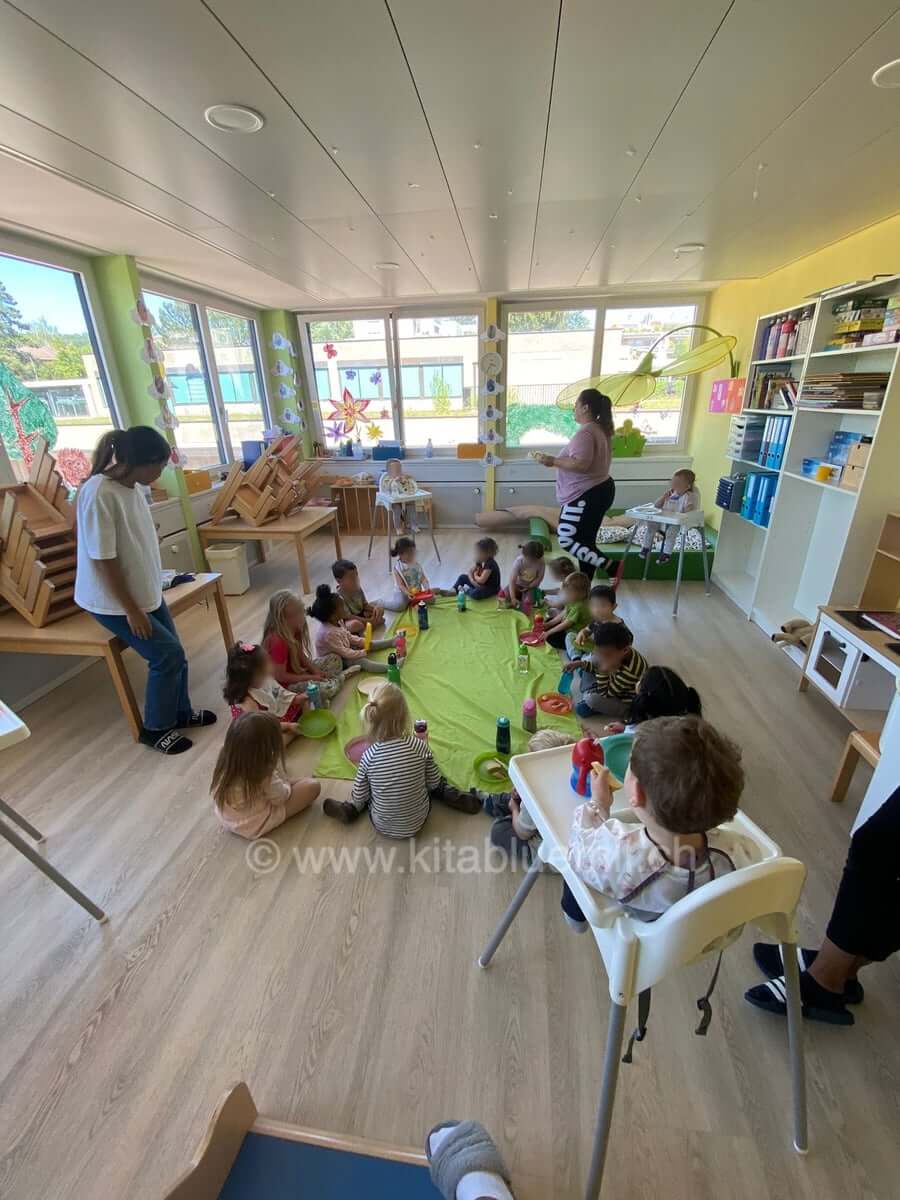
x=460 y=675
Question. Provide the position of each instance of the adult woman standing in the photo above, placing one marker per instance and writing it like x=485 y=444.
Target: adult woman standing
x=584 y=487
x=118 y=577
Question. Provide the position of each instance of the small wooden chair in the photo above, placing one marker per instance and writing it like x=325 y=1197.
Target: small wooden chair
x=860 y=744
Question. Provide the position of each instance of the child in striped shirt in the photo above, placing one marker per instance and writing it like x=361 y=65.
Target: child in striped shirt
x=610 y=676
x=397 y=777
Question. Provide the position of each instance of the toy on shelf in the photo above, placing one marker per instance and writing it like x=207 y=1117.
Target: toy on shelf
x=585 y=753
x=37 y=543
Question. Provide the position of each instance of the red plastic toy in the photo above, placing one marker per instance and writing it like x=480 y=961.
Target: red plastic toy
x=416 y=597
x=584 y=754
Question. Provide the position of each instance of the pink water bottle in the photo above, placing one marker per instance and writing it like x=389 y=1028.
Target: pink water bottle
x=529 y=715
x=400 y=644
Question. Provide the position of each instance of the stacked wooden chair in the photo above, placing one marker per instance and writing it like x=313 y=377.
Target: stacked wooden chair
x=37 y=544
x=277 y=484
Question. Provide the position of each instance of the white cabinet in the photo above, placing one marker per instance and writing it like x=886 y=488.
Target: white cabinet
x=842 y=670
x=456 y=503
x=175 y=552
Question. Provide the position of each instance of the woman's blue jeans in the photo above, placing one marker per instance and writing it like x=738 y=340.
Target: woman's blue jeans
x=166 y=700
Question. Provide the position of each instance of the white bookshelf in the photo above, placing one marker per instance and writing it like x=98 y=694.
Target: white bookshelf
x=821 y=537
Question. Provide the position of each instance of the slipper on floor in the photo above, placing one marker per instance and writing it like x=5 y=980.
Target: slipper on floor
x=816 y=1003
x=469 y=1147
x=767 y=956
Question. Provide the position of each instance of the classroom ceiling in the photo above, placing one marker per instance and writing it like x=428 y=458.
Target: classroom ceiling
x=522 y=145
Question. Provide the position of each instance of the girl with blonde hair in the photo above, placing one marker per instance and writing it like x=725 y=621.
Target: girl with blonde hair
x=287 y=641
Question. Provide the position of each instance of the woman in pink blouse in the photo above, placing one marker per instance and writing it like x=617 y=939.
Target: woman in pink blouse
x=584 y=488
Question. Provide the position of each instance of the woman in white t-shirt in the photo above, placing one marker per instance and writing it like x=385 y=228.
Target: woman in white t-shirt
x=118 y=578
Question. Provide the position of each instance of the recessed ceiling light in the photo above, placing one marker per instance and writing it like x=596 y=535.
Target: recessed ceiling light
x=638 y=198
x=271 y=195
x=690 y=248
x=413 y=187
x=492 y=216
x=888 y=76
x=476 y=145
x=630 y=151
x=334 y=149
x=387 y=266
x=234 y=118
x=432 y=237
x=509 y=191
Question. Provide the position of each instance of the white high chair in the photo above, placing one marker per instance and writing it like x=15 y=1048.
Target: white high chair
x=387 y=501
x=638 y=954
x=695 y=519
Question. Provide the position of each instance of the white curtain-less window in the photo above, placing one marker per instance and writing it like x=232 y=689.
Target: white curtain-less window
x=239 y=374
x=438 y=361
x=52 y=380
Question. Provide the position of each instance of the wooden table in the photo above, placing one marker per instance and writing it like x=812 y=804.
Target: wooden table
x=295 y=528
x=80 y=636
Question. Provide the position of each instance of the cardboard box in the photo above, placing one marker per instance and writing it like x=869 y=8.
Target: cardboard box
x=858 y=454
x=851 y=478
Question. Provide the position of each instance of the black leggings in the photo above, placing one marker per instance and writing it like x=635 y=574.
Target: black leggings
x=579 y=524
x=865 y=919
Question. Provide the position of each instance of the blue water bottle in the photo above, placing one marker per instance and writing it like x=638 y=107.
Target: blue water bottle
x=314 y=695
x=423 y=615
x=461 y=600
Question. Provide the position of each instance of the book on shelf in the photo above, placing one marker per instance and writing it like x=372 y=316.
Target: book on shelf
x=843 y=389
x=773 y=391
x=887 y=622
x=857 y=302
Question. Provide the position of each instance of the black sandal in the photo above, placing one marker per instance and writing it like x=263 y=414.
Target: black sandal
x=165 y=741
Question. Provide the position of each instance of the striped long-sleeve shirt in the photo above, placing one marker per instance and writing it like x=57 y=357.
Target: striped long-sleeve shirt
x=393 y=780
x=622 y=684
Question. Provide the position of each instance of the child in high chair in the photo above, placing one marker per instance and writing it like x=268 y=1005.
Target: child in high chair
x=681 y=497
x=608 y=679
x=333 y=636
x=394 y=482
x=287 y=642
x=527 y=572
x=397 y=777
x=573 y=615
x=559 y=569
x=251 y=687
x=252 y=791
x=684 y=780
x=348 y=587
x=409 y=577
x=482 y=580
x=601 y=607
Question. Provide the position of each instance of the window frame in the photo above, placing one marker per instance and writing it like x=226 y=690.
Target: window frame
x=46 y=254
x=200 y=301
x=601 y=304
x=390 y=317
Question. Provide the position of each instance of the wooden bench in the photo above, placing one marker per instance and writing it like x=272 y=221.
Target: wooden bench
x=80 y=636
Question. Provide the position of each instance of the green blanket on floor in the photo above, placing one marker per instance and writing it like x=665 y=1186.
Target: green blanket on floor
x=460 y=675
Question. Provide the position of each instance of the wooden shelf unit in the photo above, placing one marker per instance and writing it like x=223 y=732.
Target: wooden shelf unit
x=881 y=591
x=821 y=538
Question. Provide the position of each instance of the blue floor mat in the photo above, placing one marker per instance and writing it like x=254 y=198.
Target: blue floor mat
x=271 y=1168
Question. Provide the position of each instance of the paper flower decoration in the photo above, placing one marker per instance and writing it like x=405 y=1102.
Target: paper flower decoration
x=73 y=465
x=141 y=314
x=290 y=417
x=490 y=413
x=629 y=389
x=491 y=387
x=490 y=437
x=285 y=391
x=330 y=351
x=282 y=368
x=280 y=342
x=351 y=374
x=491 y=363
x=491 y=459
x=383 y=415
x=375 y=377
x=334 y=430
x=150 y=354
x=348 y=411
x=373 y=431
x=178 y=458
x=166 y=419
x=493 y=333
x=160 y=388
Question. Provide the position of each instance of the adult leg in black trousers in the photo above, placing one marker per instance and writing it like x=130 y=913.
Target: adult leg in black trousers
x=579 y=524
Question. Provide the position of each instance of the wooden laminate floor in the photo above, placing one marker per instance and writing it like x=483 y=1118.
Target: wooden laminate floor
x=351 y=1002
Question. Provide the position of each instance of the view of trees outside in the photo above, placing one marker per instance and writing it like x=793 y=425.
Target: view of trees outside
x=50 y=381
x=438 y=368
x=547 y=350
x=235 y=354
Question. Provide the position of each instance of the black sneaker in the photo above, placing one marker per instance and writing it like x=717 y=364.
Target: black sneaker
x=341 y=810
x=200 y=717
x=466 y=802
x=165 y=741
x=767 y=956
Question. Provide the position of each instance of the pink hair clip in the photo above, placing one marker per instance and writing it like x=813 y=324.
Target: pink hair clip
x=247 y=647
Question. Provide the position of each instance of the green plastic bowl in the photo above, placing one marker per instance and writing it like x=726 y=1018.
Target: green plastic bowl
x=617 y=753
x=317 y=723
x=488 y=782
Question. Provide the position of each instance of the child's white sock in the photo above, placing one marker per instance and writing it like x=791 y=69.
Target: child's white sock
x=477 y=1185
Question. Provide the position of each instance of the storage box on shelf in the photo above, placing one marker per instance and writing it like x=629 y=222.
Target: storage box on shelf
x=836 y=476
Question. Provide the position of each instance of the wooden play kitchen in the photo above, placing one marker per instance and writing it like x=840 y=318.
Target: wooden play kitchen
x=37 y=544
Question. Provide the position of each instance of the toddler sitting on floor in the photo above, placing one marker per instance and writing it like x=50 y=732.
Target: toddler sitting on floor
x=333 y=636
x=251 y=687
x=361 y=611
x=609 y=677
x=482 y=580
x=286 y=640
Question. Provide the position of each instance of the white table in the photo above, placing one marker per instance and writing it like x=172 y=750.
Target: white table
x=13 y=730
x=688 y=520
x=387 y=501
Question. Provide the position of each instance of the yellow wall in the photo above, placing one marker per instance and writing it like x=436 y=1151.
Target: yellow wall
x=734 y=308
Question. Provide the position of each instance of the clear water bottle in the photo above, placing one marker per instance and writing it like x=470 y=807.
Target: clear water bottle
x=314 y=695
x=522 y=660
x=429 y=449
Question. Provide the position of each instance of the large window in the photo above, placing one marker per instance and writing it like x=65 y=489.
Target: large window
x=240 y=379
x=52 y=380
x=546 y=350
x=388 y=376
x=216 y=380
x=438 y=361
x=353 y=380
